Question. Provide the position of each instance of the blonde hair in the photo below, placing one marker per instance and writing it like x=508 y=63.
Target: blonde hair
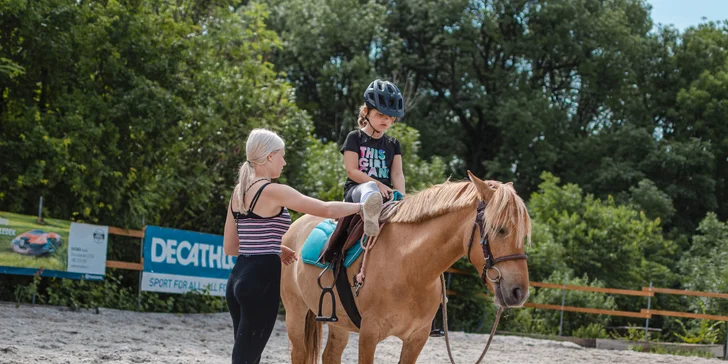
x=260 y=144
x=363 y=112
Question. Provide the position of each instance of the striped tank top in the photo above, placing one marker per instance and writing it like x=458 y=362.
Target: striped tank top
x=260 y=235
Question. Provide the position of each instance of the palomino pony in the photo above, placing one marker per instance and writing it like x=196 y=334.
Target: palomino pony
x=429 y=231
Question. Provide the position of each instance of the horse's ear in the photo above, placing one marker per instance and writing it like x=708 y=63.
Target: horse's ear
x=510 y=183
x=485 y=190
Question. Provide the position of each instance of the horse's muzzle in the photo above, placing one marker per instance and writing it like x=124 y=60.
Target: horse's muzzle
x=513 y=295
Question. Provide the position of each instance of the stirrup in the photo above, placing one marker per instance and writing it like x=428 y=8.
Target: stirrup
x=320 y=317
x=324 y=291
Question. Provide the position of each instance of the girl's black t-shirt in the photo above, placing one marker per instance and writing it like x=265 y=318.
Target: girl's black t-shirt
x=375 y=156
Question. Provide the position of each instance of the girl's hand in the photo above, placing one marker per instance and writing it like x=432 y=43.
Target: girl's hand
x=385 y=190
x=288 y=256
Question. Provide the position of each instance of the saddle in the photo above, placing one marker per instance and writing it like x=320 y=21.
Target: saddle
x=349 y=229
x=347 y=232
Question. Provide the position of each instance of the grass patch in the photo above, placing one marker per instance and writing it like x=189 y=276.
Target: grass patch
x=673 y=351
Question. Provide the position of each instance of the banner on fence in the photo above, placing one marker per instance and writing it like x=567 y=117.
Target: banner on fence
x=53 y=248
x=179 y=261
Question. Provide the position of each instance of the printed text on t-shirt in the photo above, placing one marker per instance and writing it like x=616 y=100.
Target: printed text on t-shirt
x=372 y=162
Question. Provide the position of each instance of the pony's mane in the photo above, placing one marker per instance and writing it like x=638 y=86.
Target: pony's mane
x=505 y=208
x=436 y=201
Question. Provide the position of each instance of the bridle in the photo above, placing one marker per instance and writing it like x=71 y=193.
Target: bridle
x=489 y=264
x=490 y=261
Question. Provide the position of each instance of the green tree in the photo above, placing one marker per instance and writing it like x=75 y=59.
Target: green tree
x=547 y=321
x=546 y=256
x=326 y=56
x=612 y=243
x=583 y=89
x=703 y=267
x=129 y=112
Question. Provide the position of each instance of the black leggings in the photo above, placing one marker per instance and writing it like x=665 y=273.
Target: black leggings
x=253 y=296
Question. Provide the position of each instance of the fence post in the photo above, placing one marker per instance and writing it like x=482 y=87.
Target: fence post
x=40 y=221
x=647 y=320
x=40 y=211
x=141 y=256
x=563 y=299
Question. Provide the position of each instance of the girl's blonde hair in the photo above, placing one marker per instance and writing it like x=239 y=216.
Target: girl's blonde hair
x=260 y=144
x=363 y=112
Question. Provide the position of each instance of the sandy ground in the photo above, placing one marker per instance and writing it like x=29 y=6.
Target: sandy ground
x=44 y=334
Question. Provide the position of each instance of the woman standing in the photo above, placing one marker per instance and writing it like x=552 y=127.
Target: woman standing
x=257 y=218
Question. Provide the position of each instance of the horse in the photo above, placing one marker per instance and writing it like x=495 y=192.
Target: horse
x=429 y=231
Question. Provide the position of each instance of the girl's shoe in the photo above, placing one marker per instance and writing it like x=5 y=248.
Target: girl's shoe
x=371 y=208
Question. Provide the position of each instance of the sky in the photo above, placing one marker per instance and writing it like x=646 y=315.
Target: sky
x=684 y=13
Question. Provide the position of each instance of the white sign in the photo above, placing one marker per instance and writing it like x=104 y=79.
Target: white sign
x=87 y=248
x=173 y=283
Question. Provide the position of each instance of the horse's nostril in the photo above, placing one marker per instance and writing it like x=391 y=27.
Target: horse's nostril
x=517 y=293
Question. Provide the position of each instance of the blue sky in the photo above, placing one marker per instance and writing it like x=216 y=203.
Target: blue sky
x=684 y=13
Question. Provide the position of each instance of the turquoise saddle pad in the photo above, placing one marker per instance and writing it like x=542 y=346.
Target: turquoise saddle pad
x=316 y=240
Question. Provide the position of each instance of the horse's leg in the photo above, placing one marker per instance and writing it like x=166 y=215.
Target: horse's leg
x=369 y=337
x=412 y=347
x=296 y=325
x=300 y=322
x=335 y=345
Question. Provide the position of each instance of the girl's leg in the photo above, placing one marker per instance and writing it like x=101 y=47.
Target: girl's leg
x=368 y=194
x=362 y=191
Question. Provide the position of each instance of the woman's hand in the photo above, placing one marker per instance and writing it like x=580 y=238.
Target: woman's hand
x=288 y=256
x=384 y=190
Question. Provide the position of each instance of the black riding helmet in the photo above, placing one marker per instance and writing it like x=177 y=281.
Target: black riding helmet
x=385 y=97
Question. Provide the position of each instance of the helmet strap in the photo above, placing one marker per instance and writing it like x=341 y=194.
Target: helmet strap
x=372 y=126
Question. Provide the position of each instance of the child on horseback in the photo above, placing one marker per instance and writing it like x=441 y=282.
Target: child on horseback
x=372 y=159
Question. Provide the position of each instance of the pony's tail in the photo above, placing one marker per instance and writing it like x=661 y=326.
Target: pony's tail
x=312 y=338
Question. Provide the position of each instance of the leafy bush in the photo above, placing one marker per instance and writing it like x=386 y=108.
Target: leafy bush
x=591 y=331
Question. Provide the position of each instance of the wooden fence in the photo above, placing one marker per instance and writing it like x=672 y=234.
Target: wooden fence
x=648 y=292
x=645 y=292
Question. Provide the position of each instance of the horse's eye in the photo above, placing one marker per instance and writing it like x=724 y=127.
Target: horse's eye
x=502 y=231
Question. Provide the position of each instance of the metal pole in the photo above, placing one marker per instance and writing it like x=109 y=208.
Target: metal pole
x=36 y=279
x=647 y=320
x=40 y=210
x=563 y=300
x=141 y=255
